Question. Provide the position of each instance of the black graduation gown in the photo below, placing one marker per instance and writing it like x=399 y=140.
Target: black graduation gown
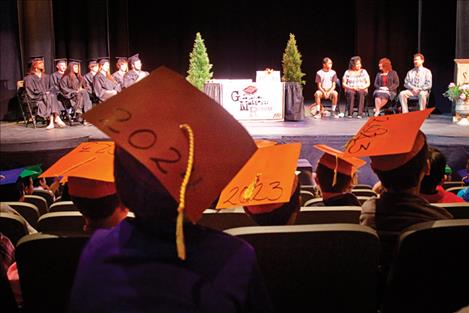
x=105 y=88
x=38 y=90
x=131 y=77
x=119 y=78
x=73 y=90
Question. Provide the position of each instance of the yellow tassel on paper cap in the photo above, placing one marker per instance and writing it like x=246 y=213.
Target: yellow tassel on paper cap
x=181 y=248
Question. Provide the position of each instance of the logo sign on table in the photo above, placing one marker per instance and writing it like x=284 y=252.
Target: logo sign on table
x=145 y=120
x=266 y=178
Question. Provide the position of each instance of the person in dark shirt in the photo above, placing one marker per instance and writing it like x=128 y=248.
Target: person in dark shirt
x=335 y=176
x=135 y=73
x=73 y=88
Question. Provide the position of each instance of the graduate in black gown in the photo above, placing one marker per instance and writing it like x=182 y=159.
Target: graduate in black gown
x=61 y=66
x=135 y=73
x=38 y=88
x=122 y=68
x=73 y=88
x=105 y=86
x=93 y=69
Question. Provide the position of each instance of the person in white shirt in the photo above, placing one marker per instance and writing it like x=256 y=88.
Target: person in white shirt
x=326 y=82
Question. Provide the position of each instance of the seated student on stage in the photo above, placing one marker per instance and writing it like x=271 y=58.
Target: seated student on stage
x=38 y=88
x=104 y=85
x=61 y=66
x=335 y=175
x=356 y=82
x=93 y=69
x=135 y=73
x=97 y=201
x=138 y=266
x=418 y=82
x=431 y=188
x=386 y=84
x=73 y=87
x=326 y=83
x=122 y=68
x=277 y=213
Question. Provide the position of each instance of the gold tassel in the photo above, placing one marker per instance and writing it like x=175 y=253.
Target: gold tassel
x=334 y=181
x=181 y=248
x=249 y=192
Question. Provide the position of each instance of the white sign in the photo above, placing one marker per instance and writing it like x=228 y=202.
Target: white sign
x=253 y=101
x=262 y=76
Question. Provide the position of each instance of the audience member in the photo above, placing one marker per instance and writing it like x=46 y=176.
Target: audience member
x=335 y=175
x=418 y=82
x=386 y=83
x=431 y=187
x=97 y=201
x=356 y=82
x=326 y=79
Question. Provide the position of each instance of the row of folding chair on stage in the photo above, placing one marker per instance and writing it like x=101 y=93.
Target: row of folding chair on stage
x=316 y=268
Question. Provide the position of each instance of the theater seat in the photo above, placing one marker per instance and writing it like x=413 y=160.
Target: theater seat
x=46 y=266
x=61 y=222
x=431 y=269
x=62 y=206
x=364 y=193
x=29 y=211
x=38 y=201
x=226 y=218
x=328 y=215
x=46 y=195
x=12 y=226
x=457 y=209
x=317 y=268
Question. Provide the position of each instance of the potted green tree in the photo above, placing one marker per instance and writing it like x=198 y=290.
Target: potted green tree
x=199 y=65
x=293 y=81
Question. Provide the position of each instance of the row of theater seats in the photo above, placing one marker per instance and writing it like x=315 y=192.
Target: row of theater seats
x=316 y=268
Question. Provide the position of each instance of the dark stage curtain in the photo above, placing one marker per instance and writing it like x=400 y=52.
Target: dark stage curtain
x=462 y=30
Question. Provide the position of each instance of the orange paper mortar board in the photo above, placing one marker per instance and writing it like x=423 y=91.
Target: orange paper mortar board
x=390 y=141
x=338 y=161
x=266 y=178
x=160 y=120
x=92 y=160
x=90 y=188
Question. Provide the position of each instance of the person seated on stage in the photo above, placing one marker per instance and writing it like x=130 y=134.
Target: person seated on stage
x=104 y=85
x=38 y=88
x=418 y=82
x=97 y=201
x=61 y=66
x=386 y=84
x=122 y=68
x=73 y=88
x=277 y=213
x=93 y=69
x=431 y=188
x=356 y=82
x=135 y=73
x=326 y=79
x=335 y=175
x=161 y=261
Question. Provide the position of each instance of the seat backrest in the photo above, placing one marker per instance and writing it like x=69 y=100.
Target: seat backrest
x=226 y=218
x=46 y=267
x=313 y=202
x=324 y=268
x=364 y=192
x=458 y=209
x=431 y=269
x=455 y=190
x=306 y=196
x=449 y=184
x=362 y=199
x=61 y=206
x=29 y=211
x=38 y=201
x=328 y=215
x=362 y=186
x=46 y=195
x=12 y=226
x=60 y=222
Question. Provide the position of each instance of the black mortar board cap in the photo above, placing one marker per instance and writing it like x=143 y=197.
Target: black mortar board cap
x=92 y=61
x=134 y=58
x=75 y=61
x=121 y=59
x=60 y=60
x=36 y=58
x=103 y=60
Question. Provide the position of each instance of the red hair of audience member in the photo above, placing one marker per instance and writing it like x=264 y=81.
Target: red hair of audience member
x=386 y=64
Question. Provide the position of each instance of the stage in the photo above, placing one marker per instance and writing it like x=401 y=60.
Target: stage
x=21 y=146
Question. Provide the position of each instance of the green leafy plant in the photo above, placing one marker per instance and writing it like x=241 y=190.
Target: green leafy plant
x=456 y=92
x=291 y=63
x=199 y=64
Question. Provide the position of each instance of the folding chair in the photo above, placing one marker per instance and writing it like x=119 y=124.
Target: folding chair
x=317 y=268
x=39 y=202
x=27 y=109
x=328 y=215
x=46 y=266
x=430 y=269
x=13 y=226
x=226 y=218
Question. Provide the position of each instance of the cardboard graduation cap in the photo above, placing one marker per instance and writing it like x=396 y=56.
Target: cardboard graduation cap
x=390 y=141
x=338 y=161
x=10 y=176
x=266 y=178
x=90 y=188
x=31 y=171
x=91 y=160
x=190 y=131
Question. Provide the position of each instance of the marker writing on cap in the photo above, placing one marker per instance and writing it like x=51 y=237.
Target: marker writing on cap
x=364 y=138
